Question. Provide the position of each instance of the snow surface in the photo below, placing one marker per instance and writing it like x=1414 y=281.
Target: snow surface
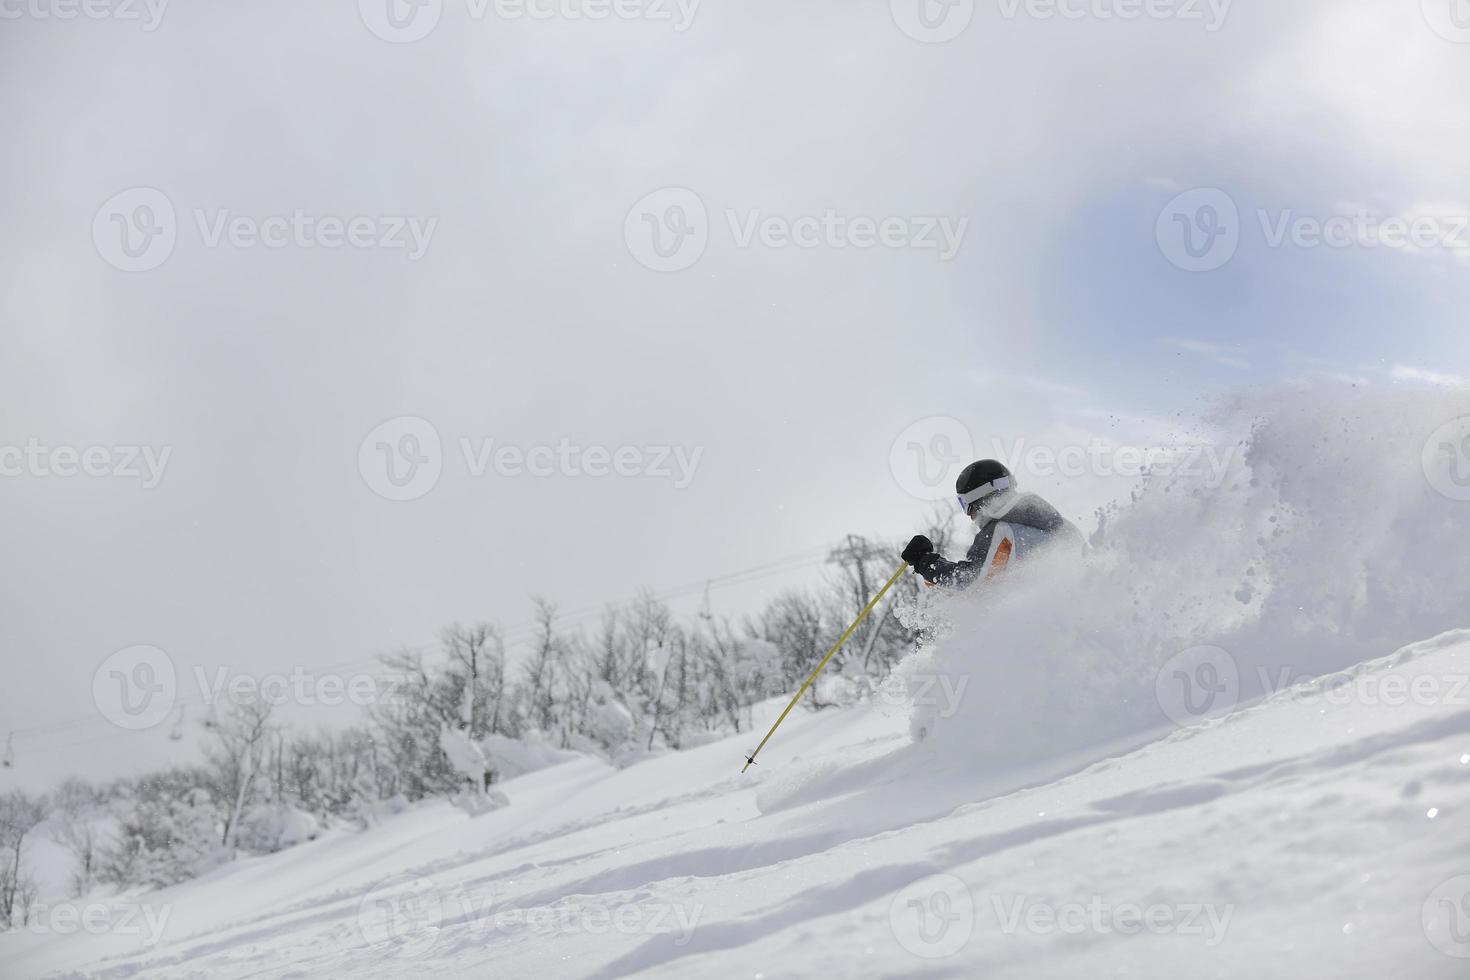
x=1302 y=836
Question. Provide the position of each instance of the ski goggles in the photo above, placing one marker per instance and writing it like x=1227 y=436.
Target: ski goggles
x=967 y=500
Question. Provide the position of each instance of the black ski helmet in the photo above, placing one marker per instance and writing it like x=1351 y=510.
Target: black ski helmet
x=981 y=479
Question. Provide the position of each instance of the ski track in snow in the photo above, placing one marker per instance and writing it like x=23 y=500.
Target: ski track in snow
x=1307 y=822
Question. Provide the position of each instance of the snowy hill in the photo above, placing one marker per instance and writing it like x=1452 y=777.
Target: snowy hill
x=1195 y=753
x=1318 y=833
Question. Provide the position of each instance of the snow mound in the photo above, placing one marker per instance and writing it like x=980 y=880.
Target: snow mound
x=796 y=784
x=1333 y=535
x=513 y=757
x=274 y=828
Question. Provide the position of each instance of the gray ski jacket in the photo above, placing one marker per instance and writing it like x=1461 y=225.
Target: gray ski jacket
x=1016 y=526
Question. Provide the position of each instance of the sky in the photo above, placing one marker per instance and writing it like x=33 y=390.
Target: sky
x=740 y=259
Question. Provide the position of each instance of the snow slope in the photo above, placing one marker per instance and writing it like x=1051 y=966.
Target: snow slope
x=1302 y=836
x=1173 y=759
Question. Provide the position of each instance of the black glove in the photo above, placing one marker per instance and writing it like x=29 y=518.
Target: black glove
x=918 y=548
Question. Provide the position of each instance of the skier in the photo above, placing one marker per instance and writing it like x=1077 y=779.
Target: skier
x=1011 y=525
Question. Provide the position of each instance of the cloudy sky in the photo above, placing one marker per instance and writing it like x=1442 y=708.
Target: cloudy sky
x=268 y=266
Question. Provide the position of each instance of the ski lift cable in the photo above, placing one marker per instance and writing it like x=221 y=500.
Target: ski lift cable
x=516 y=633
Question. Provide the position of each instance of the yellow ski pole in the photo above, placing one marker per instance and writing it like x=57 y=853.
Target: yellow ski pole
x=750 y=759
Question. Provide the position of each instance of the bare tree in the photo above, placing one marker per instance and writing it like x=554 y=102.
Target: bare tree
x=78 y=808
x=540 y=685
x=675 y=664
x=242 y=736
x=650 y=623
x=19 y=813
x=477 y=652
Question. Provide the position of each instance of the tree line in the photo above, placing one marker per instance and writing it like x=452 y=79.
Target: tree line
x=641 y=681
